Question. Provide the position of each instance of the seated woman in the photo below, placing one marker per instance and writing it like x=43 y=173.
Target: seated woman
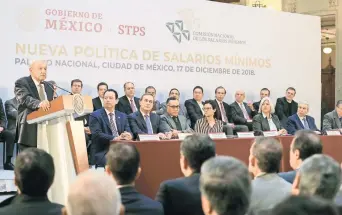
x=209 y=123
x=266 y=120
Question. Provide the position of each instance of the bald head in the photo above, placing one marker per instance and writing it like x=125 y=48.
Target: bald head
x=93 y=193
x=240 y=96
x=38 y=70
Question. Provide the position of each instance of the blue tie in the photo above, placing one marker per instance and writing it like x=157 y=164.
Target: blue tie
x=306 y=125
x=148 y=124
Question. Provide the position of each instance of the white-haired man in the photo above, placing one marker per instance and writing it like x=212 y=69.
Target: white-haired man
x=31 y=93
x=301 y=120
x=93 y=193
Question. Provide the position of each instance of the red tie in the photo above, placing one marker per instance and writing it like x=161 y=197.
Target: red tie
x=223 y=113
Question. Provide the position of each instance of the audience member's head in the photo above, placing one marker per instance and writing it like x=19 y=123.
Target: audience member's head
x=146 y=103
x=174 y=92
x=304 y=144
x=225 y=186
x=34 y=172
x=93 y=193
x=220 y=93
x=265 y=92
x=123 y=163
x=151 y=90
x=303 y=109
x=102 y=87
x=240 y=96
x=110 y=97
x=76 y=86
x=339 y=108
x=195 y=150
x=304 y=205
x=266 y=106
x=265 y=156
x=129 y=89
x=172 y=104
x=290 y=94
x=198 y=93
x=319 y=175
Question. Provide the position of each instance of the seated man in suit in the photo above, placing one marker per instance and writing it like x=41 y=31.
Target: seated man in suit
x=172 y=122
x=268 y=189
x=333 y=119
x=182 y=196
x=194 y=106
x=264 y=92
x=156 y=104
x=98 y=101
x=101 y=196
x=107 y=124
x=224 y=113
x=225 y=186
x=128 y=103
x=286 y=106
x=266 y=120
x=174 y=92
x=242 y=112
x=8 y=136
x=144 y=121
x=304 y=144
x=301 y=120
x=123 y=164
x=33 y=175
x=319 y=175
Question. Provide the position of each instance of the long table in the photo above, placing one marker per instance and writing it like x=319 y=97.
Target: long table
x=160 y=159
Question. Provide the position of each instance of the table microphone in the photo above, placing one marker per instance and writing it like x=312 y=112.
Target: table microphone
x=51 y=86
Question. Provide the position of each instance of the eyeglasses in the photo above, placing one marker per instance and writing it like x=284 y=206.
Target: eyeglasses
x=208 y=108
x=174 y=106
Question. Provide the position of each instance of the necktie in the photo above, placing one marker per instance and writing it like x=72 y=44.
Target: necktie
x=148 y=124
x=41 y=92
x=306 y=125
x=132 y=105
x=223 y=112
x=178 y=125
x=244 y=111
x=112 y=125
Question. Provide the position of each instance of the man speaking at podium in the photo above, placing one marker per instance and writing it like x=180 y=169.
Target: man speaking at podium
x=32 y=94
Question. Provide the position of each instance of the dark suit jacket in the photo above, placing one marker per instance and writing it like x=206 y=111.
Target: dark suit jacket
x=194 y=111
x=288 y=176
x=138 y=204
x=331 y=121
x=3 y=120
x=124 y=105
x=11 y=108
x=227 y=109
x=256 y=105
x=167 y=124
x=97 y=103
x=102 y=134
x=282 y=110
x=261 y=124
x=138 y=124
x=294 y=124
x=237 y=114
x=23 y=204
x=181 y=196
x=28 y=98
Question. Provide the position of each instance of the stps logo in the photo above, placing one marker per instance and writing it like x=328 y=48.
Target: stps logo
x=178 y=31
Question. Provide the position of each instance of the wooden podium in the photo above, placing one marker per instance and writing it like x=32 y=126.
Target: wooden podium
x=64 y=139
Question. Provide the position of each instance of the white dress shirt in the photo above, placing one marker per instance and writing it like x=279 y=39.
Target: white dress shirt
x=101 y=99
x=201 y=106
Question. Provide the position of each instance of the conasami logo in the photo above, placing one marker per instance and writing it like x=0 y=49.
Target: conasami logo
x=178 y=31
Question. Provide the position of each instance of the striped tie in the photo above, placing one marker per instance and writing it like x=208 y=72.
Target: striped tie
x=112 y=125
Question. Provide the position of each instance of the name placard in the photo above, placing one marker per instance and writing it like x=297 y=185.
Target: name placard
x=270 y=133
x=333 y=133
x=147 y=137
x=245 y=134
x=220 y=135
x=182 y=136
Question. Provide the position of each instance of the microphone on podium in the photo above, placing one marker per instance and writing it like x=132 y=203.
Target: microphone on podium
x=52 y=87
